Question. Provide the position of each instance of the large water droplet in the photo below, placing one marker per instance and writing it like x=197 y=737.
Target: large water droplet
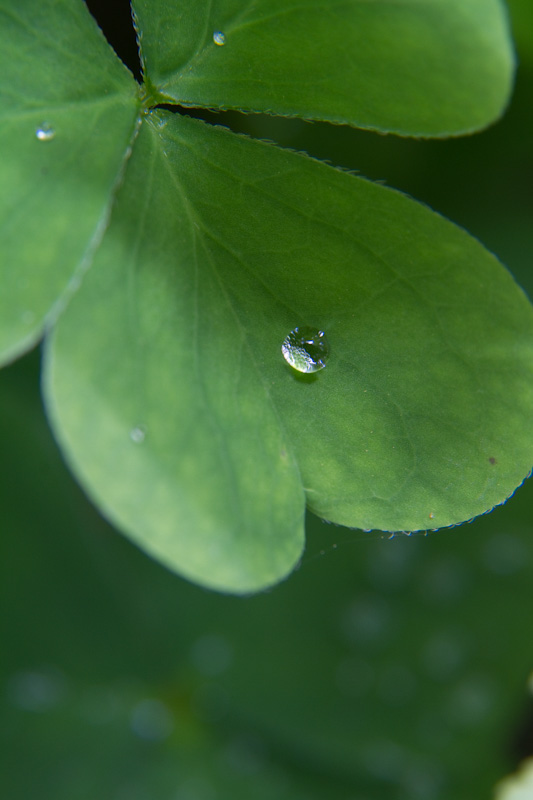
x=45 y=132
x=219 y=38
x=306 y=349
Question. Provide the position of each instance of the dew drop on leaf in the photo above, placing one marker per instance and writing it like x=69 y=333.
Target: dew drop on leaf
x=306 y=349
x=45 y=133
x=219 y=38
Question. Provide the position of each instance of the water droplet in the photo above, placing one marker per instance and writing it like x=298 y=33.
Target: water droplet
x=138 y=434
x=45 y=132
x=306 y=349
x=219 y=38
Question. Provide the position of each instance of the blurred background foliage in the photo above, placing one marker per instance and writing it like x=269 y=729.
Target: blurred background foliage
x=383 y=668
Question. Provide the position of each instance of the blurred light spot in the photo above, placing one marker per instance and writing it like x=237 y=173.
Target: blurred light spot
x=397 y=684
x=390 y=564
x=36 y=691
x=131 y=791
x=434 y=731
x=152 y=720
x=446 y=581
x=384 y=760
x=354 y=677
x=196 y=788
x=99 y=705
x=505 y=554
x=245 y=755
x=367 y=621
x=443 y=654
x=423 y=781
x=471 y=701
x=138 y=434
x=211 y=655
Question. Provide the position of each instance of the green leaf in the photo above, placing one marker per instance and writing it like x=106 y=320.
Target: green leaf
x=415 y=68
x=518 y=786
x=68 y=110
x=219 y=247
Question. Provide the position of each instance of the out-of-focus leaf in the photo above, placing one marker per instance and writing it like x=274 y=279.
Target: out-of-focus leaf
x=68 y=110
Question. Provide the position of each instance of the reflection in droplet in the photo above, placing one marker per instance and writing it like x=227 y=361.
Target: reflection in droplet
x=45 y=132
x=152 y=720
x=219 y=38
x=138 y=434
x=306 y=349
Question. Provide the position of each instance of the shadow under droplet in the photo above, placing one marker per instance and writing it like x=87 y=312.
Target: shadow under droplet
x=302 y=377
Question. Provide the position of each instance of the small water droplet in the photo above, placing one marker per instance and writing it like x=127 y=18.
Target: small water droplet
x=138 y=434
x=219 y=38
x=306 y=349
x=45 y=132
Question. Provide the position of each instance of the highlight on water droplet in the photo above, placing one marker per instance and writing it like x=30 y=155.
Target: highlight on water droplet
x=219 y=38
x=306 y=349
x=138 y=434
x=45 y=132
